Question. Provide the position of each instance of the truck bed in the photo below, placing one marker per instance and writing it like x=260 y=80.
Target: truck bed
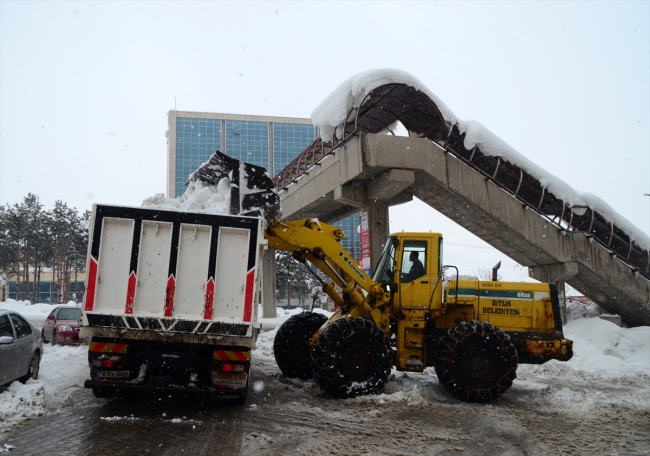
x=159 y=274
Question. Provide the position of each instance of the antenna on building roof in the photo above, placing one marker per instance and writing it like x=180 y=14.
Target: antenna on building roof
x=174 y=103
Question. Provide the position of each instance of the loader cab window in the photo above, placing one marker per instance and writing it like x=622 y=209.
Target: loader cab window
x=384 y=271
x=414 y=261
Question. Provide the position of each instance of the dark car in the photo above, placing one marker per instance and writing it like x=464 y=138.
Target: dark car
x=21 y=348
x=62 y=326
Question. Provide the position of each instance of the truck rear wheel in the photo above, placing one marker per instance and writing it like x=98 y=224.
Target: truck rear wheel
x=291 y=344
x=351 y=357
x=476 y=362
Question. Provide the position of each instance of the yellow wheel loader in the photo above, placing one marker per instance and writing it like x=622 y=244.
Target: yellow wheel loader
x=407 y=316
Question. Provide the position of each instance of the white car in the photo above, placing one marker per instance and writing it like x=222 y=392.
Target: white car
x=21 y=348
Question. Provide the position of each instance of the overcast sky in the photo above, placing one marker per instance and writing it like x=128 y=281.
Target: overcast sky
x=85 y=87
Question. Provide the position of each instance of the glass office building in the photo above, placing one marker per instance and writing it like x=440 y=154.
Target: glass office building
x=48 y=292
x=270 y=142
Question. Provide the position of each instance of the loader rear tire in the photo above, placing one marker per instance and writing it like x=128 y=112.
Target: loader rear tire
x=476 y=362
x=291 y=344
x=351 y=357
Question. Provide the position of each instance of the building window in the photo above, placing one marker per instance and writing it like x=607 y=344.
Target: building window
x=248 y=141
x=289 y=140
x=196 y=141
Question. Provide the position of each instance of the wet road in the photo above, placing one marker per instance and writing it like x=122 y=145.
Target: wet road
x=288 y=417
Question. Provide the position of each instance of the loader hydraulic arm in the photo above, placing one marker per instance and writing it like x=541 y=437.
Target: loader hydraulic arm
x=310 y=239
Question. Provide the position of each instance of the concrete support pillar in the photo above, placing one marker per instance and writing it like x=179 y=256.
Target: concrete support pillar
x=384 y=190
x=268 y=284
x=378 y=227
x=558 y=274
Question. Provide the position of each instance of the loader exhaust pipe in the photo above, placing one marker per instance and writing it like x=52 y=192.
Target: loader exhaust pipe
x=495 y=271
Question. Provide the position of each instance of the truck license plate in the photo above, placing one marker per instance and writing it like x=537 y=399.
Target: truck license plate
x=111 y=374
x=229 y=379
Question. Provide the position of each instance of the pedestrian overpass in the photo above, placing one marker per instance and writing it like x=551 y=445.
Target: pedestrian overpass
x=501 y=203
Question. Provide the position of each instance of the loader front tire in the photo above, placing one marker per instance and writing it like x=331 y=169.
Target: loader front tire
x=291 y=344
x=351 y=357
x=476 y=362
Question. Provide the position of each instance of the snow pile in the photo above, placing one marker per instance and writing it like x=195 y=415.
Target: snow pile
x=20 y=402
x=577 y=309
x=63 y=370
x=270 y=323
x=331 y=114
x=199 y=197
x=35 y=313
x=210 y=190
x=600 y=348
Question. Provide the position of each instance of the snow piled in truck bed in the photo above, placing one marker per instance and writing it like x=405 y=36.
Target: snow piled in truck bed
x=199 y=197
x=331 y=114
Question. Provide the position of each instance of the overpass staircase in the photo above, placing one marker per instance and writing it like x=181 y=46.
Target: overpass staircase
x=491 y=197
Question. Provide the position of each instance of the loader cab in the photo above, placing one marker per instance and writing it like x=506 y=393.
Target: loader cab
x=416 y=292
x=412 y=285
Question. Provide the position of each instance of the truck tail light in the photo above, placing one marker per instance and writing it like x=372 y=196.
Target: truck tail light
x=229 y=367
x=104 y=362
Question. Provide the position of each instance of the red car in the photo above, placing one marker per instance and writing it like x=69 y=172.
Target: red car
x=62 y=326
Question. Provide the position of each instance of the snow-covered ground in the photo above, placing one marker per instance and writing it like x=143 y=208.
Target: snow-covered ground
x=604 y=353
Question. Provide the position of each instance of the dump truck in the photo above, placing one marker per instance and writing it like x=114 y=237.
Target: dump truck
x=413 y=314
x=171 y=301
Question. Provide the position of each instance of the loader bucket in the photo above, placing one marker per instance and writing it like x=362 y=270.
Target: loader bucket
x=251 y=189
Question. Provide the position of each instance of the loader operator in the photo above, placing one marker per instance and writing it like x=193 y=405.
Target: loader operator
x=417 y=269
